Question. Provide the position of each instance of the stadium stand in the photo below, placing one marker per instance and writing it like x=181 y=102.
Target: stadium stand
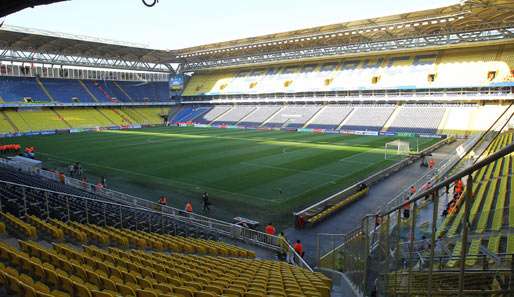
x=368 y=118
x=66 y=90
x=16 y=89
x=212 y=114
x=235 y=115
x=259 y=116
x=94 y=88
x=146 y=115
x=6 y=125
x=292 y=116
x=84 y=117
x=446 y=71
x=444 y=119
x=417 y=119
x=189 y=113
x=488 y=209
x=330 y=117
x=145 y=91
x=93 y=271
x=121 y=260
x=44 y=120
x=420 y=70
x=37 y=119
x=115 y=91
x=14 y=118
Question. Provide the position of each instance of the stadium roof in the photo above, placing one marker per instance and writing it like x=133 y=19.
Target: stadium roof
x=11 y=6
x=463 y=17
x=60 y=48
x=468 y=21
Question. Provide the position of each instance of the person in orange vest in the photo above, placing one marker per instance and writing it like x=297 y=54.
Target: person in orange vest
x=270 y=229
x=298 y=247
x=431 y=163
x=412 y=190
x=189 y=207
x=62 y=178
x=163 y=200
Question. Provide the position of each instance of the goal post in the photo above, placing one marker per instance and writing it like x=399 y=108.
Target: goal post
x=396 y=148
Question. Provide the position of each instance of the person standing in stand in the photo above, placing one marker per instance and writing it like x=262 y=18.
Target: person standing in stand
x=206 y=202
x=270 y=229
x=298 y=247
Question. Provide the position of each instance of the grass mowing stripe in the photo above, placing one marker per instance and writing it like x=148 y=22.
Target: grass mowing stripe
x=254 y=168
x=164 y=180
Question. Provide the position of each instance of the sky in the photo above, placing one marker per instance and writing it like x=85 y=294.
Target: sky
x=174 y=24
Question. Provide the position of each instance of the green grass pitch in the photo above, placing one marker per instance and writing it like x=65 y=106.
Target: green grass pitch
x=262 y=175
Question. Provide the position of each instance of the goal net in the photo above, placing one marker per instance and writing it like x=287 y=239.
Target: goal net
x=396 y=148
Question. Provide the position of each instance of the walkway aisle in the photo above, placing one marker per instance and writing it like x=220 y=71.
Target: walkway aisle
x=379 y=194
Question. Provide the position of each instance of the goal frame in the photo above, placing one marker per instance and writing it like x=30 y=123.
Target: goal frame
x=401 y=147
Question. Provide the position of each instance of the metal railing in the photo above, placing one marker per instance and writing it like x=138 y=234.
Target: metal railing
x=405 y=242
x=374 y=178
x=117 y=201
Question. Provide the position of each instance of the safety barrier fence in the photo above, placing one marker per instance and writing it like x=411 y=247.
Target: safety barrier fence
x=300 y=216
x=223 y=228
x=407 y=241
x=68 y=207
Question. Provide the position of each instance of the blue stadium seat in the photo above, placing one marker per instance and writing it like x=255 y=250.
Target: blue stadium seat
x=66 y=90
x=14 y=89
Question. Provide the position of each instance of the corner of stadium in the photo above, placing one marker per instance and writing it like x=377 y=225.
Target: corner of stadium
x=366 y=158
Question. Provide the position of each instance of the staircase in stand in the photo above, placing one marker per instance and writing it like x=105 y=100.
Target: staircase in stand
x=105 y=116
x=7 y=119
x=106 y=94
x=61 y=117
x=88 y=91
x=123 y=91
x=122 y=116
x=391 y=119
x=44 y=89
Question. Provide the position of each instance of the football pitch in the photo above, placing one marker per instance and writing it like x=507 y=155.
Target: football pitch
x=261 y=175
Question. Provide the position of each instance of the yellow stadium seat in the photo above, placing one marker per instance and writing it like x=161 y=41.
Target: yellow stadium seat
x=214 y=289
x=60 y=294
x=27 y=291
x=81 y=290
x=254 y=294
x=125 y=290
x=146 y=293
x=205 y=294
x=103 y=294
x=233 y=292
x=184 y=291
x=66 y=284
x=13 y=284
